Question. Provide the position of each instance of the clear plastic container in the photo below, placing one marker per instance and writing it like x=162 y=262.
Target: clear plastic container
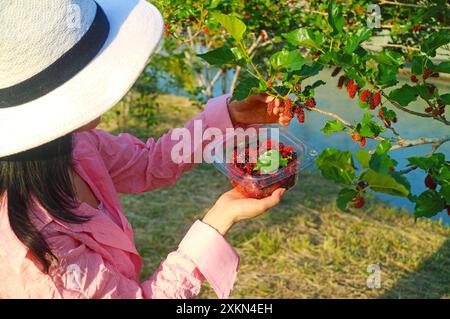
x=261 y=183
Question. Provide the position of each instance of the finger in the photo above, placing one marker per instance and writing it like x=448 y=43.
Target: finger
x=269 y=98
x=285 y=121
x=272 y=200
x=278 y=107
x=262 y=98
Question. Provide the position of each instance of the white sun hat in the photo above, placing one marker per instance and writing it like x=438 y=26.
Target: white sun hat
x=63 y=63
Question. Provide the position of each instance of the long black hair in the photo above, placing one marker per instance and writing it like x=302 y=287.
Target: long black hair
x=42 y=172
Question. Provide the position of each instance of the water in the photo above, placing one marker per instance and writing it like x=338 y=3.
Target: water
x=329 y=98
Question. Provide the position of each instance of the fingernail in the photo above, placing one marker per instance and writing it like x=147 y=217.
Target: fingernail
x=282 y=192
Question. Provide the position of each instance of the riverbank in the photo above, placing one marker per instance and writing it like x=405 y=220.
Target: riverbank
x=305 y=248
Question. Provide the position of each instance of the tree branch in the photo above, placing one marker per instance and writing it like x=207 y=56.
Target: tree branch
x=208 y=91
x=405 y=47
x=237 y=73
x=257 y=43
x=399 y=4
x=435 y=141
x=434 y=148
x=335 y=116
x=398 y=106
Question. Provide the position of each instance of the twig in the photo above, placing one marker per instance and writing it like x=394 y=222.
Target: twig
x=208 y=91
x=335 y=116
x=434 y=148
x=405 y=47
x=436 y=142
x=237 y=73
x=256 y=44
x=399 y=4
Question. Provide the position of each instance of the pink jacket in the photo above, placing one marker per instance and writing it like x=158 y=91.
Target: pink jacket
x=98 y=259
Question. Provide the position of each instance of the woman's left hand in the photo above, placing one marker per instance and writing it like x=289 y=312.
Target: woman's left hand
x=253 y=110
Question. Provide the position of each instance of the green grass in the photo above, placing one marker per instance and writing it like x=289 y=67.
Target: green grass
x=305 y=248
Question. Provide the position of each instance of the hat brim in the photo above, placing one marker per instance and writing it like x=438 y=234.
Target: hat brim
x=136 y=27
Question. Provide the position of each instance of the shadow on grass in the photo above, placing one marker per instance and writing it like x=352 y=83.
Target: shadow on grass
x=430 y=280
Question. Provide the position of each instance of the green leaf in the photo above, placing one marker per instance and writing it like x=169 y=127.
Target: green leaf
x=445 y=98
x=400 y=178
x=214 y=4
x=332 y=127
x=266 y=164
x=444 y=174
x=368 y=128
x=309 y=89
x=355 y=39
x=363 y=105
x=428 y=204
x=245 y=88
x=387 y=75
x=384 y=183
x=239 y=57
x=383 y=147
x=345 y=196
x=336 y=165
x=391 y=58
x=419 y=62
x=381 y=163
x=335 y=18
x=427 y=163
x=404 y=95
x=366 y=118
x=445 y=193
x=434 y=41
x=424 y=92
x=288 y=60
x=302 y=37
x=389 y=115
x=306 y=71
x=363 y=157
x=233 y=25
x=443 y=67
x=219 y=57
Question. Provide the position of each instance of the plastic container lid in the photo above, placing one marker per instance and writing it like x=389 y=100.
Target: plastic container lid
x=222 y=159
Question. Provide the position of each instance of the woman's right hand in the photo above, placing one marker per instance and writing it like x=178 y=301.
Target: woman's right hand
x=233 y=207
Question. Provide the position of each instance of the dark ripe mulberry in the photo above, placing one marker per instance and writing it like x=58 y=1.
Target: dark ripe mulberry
x=377 y=98
x=310 y=102
x=429 y=182
x=427 y=73
x=336 y=71
x=341 y=82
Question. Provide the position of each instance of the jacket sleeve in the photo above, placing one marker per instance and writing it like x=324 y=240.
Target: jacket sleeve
x=137 y=167
x=202 y=254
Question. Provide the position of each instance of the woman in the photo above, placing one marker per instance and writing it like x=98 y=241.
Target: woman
x=62 y=230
